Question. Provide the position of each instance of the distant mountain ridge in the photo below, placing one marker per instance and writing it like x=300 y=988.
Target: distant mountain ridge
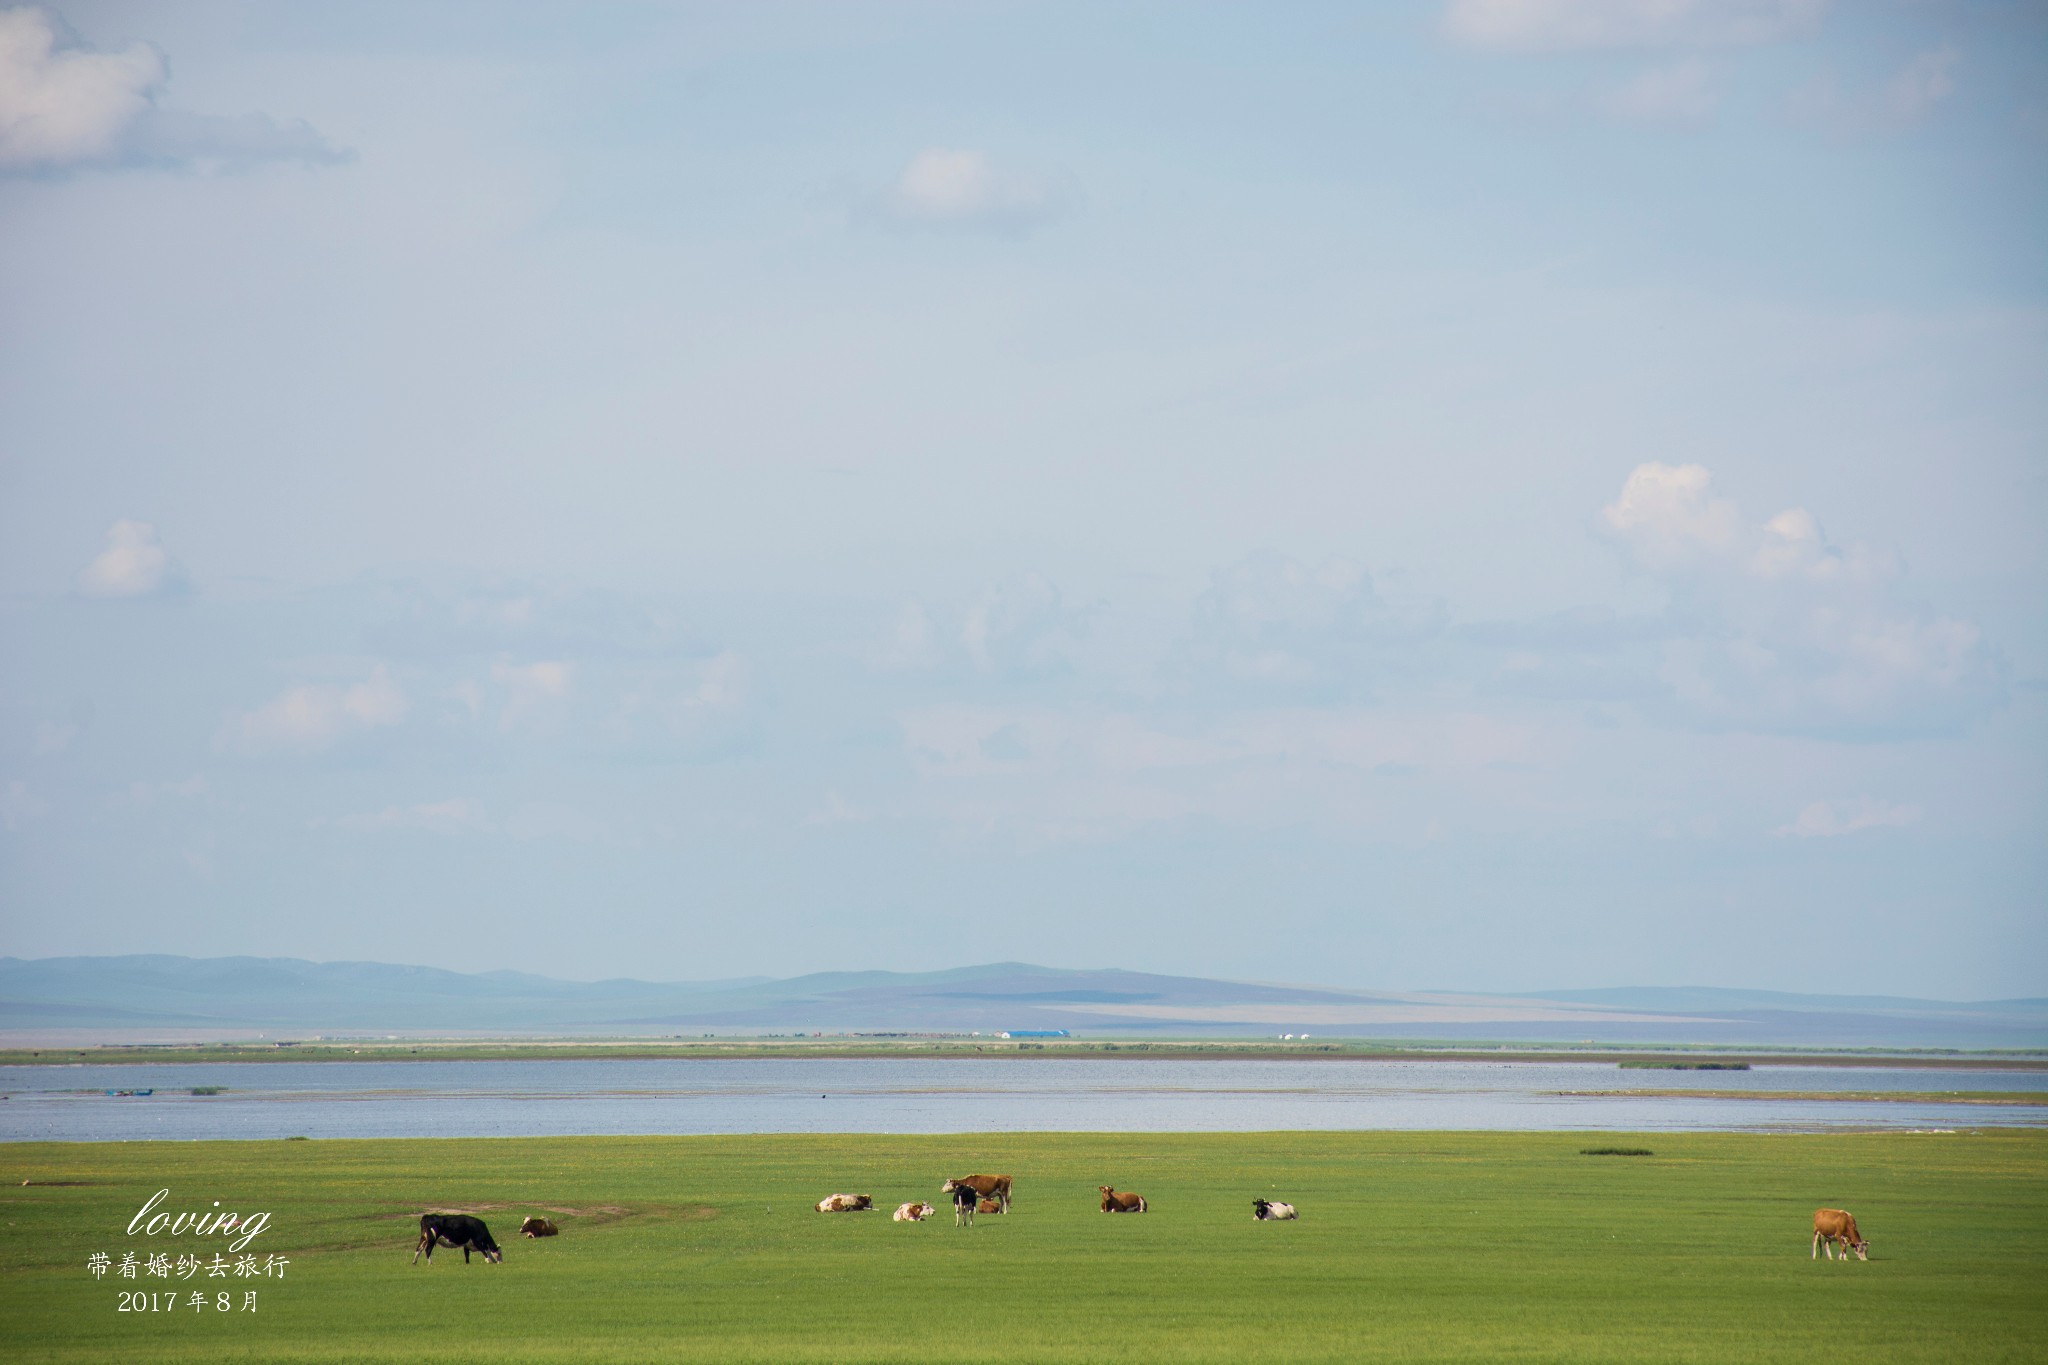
x=138 y=994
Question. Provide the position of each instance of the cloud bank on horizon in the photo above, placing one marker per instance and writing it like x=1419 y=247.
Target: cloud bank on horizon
x=1481 y=495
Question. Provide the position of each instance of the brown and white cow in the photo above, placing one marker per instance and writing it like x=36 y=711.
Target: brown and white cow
x=1837 y=1225
x=538 y=1227
x=1112 y=1202
x=845 y=1203
x=989 y=1206
x=914 y=1213
x=996 y=1187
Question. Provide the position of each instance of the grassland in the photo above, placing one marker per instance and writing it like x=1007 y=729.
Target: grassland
x=1411 y=1247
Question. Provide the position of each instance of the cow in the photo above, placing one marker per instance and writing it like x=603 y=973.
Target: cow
x=989 y=1206
x=538 y=1227
x=914 y=1213
x=1265 y=1211
x=964 y=1200
x=1837 y=1225
x=996 y=1187
x=455 y=1230
x=845 y=1203
x=1112 y=1202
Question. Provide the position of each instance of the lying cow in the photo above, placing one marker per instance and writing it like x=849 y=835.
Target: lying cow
x=914 y=1213
x=1267 y=1211
x=989 y=1206
x=996 y=1187
x=538 y=1227
x=1837 y=1225
x=1112 y=1202
x=964 y=1201
x=455 y=1230
x=845 y=1203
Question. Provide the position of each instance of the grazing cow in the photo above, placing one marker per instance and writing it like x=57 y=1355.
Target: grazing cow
x=1837 y=1225
x=538 y=1227
x=845 y=1203
x=455 y=1230
x=996 y=1187
x=914 y=1213
x=964 y=1200
x=1112 y=1202
x=1268 y=1212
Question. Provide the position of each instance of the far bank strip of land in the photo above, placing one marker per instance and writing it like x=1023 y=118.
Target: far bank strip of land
x=2000 y=1097
x=979 y=1049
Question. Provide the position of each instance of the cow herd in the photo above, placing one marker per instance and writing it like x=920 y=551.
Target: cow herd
x=974 y=1194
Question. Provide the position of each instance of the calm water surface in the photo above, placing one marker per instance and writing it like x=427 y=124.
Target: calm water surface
x=877 y=1095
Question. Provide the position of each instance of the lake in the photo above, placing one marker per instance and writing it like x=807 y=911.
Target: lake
x=924 y=1095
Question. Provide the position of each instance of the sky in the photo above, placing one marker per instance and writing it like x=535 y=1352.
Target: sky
x=1485 y=494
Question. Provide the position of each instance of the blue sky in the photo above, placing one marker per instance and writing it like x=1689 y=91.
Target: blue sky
x=1473 y=495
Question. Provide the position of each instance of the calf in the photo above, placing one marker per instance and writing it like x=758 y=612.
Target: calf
x=914 y=1213
x=455 y=1230
x=964 y=1200
x=1112 y=1202
x=845 y=1203
x=996 y=1187
x=1837 y=1225
x=1268 y=1212
x=538 y=1227
x=989 y=1206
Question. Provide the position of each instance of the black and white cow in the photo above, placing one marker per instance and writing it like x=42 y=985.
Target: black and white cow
x=1266 y=1211
x=455 y=1230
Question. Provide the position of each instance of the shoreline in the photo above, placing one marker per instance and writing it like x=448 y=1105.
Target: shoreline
x=500 y=1050
x=2016 y=1099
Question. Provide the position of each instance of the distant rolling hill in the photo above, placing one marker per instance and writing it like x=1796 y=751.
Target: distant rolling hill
x=164 y=996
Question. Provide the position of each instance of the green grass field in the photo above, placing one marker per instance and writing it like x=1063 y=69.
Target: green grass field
x=1411 y=1247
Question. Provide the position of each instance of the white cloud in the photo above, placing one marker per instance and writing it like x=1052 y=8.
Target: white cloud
x=1666 y=514
x=19 y=805
x=457 y=816
x=837 y=810
x=1925 y=82
x=531 y=687
x=1019 y=627
x=60 y=108
x=52 y=737
x=912 y=642
x=64 y=107
x=141 y=793
x=506 y=619
x=693 y=713
x=1270 y=622
x=227 y=142
x=1671 y=520
x=310 y=718
x=1910 y=95
x=1827 y=819
x=553 y=820
x=1784 y=630
x=948 y=188
x=1682 y=93
x=133 y=564
x=1568 y=25
x=1058 y=775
